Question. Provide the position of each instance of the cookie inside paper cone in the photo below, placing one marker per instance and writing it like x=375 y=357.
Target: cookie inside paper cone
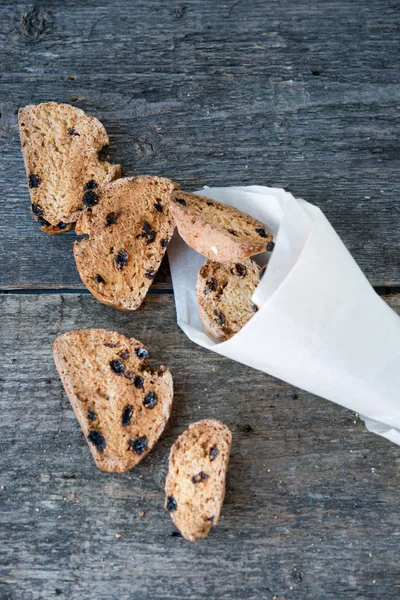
x=216 y=230
x=224 y=293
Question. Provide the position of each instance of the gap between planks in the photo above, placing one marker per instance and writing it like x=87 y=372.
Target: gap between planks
x=381 y=290
x=42 y=291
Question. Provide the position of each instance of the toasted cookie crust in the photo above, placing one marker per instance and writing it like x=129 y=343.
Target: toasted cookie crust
x=129 y=228
x=217 y=230
x=224 y=294
x=60 y=146
x=195 y=485
x=121 y=403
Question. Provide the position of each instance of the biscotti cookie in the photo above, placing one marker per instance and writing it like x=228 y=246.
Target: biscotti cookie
x=60 y=146
x=217 y=230
x=121 y=403
x=195 y=485
x=129 y=228
x=224 y=294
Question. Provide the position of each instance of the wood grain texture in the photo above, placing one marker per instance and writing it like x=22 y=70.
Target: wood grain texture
x=302 y=94
x=312 y=505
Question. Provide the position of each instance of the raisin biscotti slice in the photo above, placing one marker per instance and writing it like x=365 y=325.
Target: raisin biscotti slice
x=129 y=229
x=195 y=485
x=217 y=230
x=60 y=146
x=121 y=403
x=224 y=294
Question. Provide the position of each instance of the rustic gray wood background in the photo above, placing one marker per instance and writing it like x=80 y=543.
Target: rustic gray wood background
x=303 y=94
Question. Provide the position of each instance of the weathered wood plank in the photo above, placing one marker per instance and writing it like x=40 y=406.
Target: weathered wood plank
x=312 y=505
x=302 y=94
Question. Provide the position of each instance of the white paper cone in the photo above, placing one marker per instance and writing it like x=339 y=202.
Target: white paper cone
x=321 y=326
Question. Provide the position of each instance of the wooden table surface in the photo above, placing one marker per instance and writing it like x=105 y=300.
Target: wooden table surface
x=301 y=94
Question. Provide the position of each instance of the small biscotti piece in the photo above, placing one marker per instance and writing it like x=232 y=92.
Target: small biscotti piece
x=60 y=145
x=217 y=230
x=121 y=403
x=224 y=294
x=195 y=486
x=129 y=229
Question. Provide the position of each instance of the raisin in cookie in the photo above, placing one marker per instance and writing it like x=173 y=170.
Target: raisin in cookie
x=129 y=228
x=224 y=294
x=195 y=485
x=121 y=403
x=217 y=230
x=60 y=146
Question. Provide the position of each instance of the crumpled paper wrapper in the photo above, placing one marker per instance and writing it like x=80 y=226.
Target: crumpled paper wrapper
x=321 y=326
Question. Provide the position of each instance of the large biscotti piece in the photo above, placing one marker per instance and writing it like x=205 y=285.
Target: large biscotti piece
x=195 y=486
x=217 y=230
x=224 y=294
x=121 y=403
x=129 y=228
x=60 y=145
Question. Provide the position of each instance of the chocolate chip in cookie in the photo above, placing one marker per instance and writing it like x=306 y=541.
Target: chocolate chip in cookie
x=97 y=439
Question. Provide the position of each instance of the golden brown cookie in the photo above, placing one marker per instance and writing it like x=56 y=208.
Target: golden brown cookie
x=60 y=146
x=195 y=485
x=121 y=403
x=129 y=228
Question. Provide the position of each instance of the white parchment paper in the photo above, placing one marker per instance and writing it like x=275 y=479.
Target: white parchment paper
x=321 y=326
